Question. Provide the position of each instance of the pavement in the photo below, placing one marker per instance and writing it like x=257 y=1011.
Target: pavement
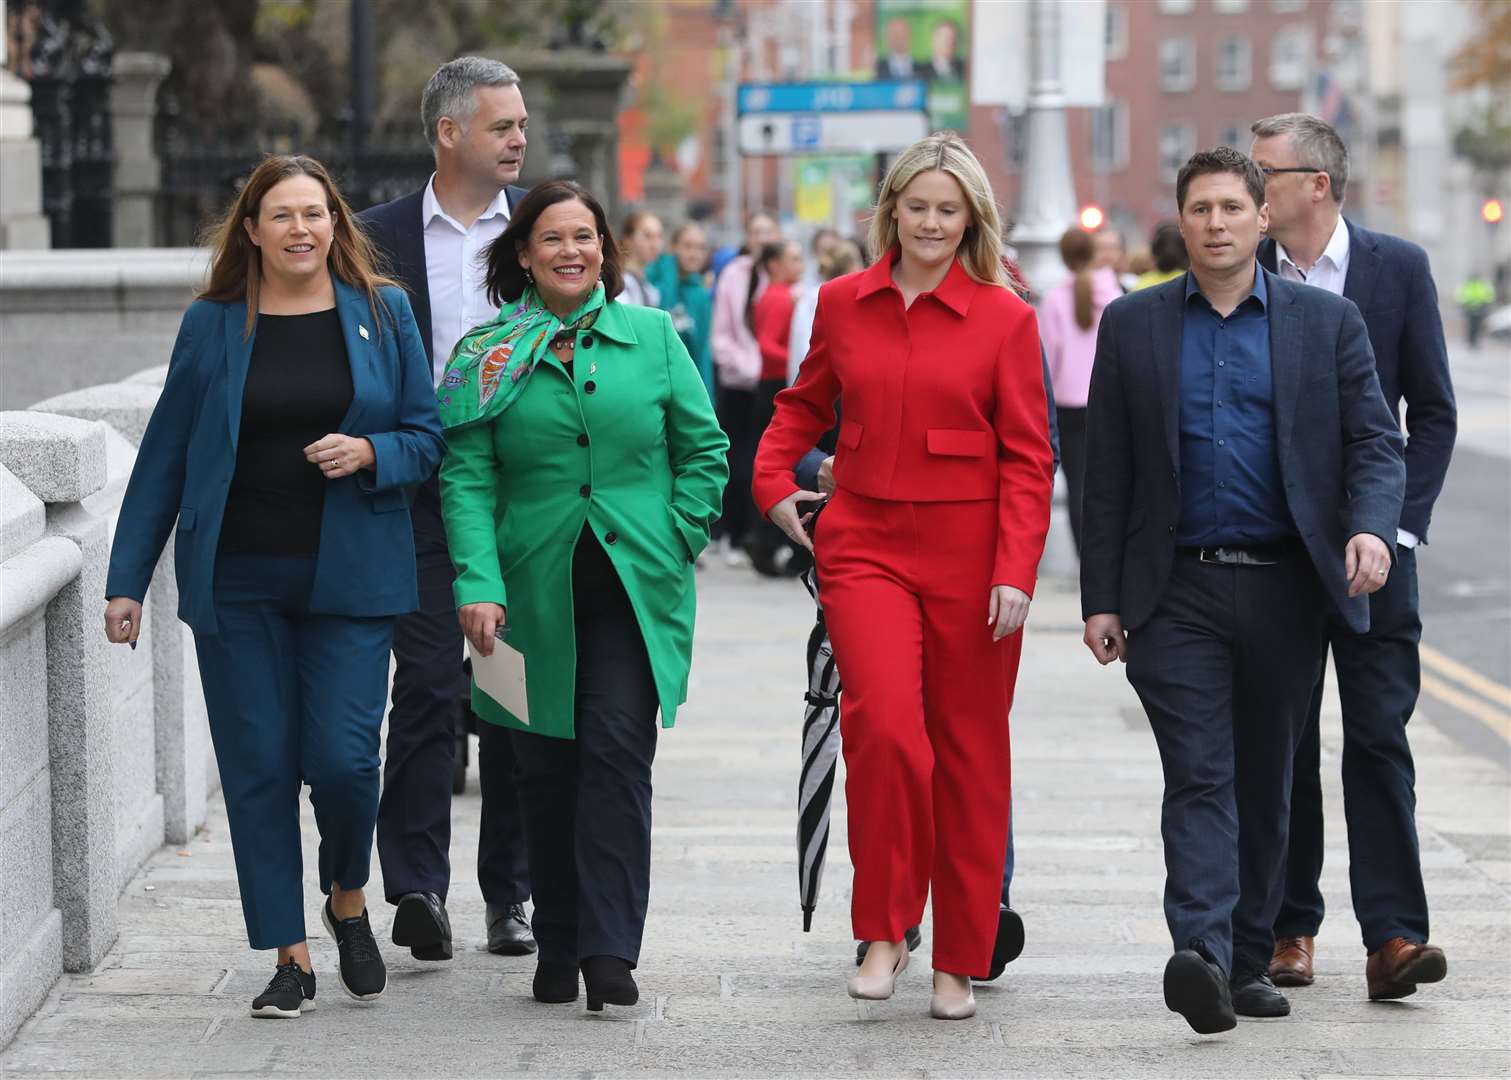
x=731 y=986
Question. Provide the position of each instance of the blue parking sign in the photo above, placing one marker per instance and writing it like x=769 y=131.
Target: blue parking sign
x=806 y=131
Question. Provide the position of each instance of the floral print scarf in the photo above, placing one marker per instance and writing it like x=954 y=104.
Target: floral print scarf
x=489 y=367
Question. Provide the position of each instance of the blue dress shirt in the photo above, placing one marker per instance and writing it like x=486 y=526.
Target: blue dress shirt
x=1231 y=491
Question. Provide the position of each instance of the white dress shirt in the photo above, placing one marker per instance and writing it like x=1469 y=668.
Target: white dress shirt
x=455 y=268
x=1330 y=272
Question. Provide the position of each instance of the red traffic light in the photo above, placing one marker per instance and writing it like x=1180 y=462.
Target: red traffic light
x=1492 y=211
x=1092 y=217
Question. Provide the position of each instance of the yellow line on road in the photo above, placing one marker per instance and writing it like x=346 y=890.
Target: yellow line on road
x=1466 y=676
x=1493 y=718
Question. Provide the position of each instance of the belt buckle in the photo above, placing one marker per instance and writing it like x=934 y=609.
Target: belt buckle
x=1215 y=554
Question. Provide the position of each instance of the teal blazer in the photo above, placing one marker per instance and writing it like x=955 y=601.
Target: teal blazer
x=187 y=457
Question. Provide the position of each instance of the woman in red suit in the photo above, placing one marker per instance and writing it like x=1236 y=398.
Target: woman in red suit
x=927 y=553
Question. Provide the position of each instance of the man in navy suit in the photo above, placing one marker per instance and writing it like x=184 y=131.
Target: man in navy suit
x=1306 y=173
x=435 y=241
x=1243 y=476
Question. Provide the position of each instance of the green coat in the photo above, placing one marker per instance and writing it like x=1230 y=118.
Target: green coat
x=627 y=443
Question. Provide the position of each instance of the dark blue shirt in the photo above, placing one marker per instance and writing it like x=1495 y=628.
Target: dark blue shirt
x=1231 y=491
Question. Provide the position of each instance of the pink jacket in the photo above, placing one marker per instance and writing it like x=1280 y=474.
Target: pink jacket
x=736 y=354
x=1070 y=349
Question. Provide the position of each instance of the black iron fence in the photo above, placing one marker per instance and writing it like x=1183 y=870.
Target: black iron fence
x=202 y=173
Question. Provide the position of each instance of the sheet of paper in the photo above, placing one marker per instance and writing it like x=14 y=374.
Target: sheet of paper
x=502 y=677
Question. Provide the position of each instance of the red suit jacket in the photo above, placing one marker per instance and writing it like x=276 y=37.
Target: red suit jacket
x=942 y=402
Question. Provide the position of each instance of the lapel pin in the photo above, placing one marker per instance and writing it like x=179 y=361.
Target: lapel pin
x=593 y=370
x=362 y=330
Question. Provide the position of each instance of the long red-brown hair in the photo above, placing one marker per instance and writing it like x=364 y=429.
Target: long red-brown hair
x=236 y=265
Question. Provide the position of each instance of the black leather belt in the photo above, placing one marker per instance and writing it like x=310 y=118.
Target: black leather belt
x=1246 y=554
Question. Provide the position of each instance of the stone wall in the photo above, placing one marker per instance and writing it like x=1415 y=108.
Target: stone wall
x=76 y=319
x=106 y=749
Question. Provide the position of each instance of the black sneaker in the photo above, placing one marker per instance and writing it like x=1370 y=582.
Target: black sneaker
x=363 y=975
x=291 y=992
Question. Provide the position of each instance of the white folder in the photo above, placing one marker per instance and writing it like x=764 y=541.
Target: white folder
x=502 y=677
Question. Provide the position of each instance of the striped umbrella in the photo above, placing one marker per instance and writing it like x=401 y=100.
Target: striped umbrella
x=820 y=752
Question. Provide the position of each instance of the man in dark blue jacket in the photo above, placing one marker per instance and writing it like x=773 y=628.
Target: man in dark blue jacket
x=435 y=241
x=1243 y=476
x=1306 y=173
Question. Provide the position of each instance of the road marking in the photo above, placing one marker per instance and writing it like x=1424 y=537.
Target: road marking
x=1497 y=721
x=1466 y=676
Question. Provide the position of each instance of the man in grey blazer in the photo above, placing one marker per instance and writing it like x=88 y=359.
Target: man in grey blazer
x=1243 y=477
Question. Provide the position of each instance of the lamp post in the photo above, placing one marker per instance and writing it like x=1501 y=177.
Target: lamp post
x=1047 y=205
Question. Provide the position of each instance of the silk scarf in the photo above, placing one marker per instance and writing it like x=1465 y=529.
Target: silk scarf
x=490 y=366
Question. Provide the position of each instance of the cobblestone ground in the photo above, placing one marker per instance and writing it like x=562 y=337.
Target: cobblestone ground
x=732 y=987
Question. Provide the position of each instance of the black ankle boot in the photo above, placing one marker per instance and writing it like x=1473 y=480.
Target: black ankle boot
x=608 y=981
x=555 y=984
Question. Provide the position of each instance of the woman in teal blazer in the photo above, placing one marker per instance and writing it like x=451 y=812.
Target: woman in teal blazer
x=583 y=471
x=297 y=416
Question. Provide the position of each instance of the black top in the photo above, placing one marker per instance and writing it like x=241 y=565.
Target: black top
x=299 y=387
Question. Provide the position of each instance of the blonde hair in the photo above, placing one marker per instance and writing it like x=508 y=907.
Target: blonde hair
x=980 y=251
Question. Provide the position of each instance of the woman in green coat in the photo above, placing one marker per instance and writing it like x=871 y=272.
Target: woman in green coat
x=584 y=468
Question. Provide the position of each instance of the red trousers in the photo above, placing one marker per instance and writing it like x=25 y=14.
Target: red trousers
x=924 y=719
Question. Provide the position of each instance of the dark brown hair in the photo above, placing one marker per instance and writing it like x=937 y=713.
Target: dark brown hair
x=1222 y=159
x=759 y=272
x=1169 y=248
x=1077 y=249
x=506 y=279
x=236 y=264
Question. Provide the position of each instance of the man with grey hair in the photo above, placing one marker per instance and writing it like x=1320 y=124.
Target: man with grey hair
x=1306 y=175
x=436 y=241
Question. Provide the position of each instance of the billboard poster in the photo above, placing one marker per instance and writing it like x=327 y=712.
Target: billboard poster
x=926 y=39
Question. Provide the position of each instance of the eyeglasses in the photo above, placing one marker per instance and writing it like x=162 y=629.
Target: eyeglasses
x=1270 y=170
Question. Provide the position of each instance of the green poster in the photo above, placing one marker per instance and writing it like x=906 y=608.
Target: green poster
x=926 y=39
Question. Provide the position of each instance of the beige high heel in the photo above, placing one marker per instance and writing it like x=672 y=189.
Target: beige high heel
x=878 y=987
x=950 y=1007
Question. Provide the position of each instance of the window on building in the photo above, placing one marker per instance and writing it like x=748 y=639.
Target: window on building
x=1234 y=64
x=1230 y=7
x=1287 y=7
x=1177 y=64
x=1289 y=55
x=1177 y=142
x=1014 y=128
x=1235 y=135
x=1109 y=137
x=1116 y=42
x=1177 y=7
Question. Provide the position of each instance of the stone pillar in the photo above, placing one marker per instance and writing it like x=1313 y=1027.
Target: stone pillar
x=22 y=224
x=133 y=111
x=62 y=461
x=1048 y=202
x=578 y=91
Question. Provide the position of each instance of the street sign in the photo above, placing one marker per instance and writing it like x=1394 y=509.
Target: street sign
x=831 y=118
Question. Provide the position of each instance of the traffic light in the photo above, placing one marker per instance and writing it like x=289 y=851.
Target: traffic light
x=1492 y=211
x=1092 y=217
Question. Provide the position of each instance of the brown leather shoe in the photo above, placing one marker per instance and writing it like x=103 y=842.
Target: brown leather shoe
x=1394 y=971
x=1292 y=963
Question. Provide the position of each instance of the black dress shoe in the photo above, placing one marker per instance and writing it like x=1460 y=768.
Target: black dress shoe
x=1255 y=995
x=1009 y=944
x=509 y=931
x=912 y=937
x=608 y=982
x=420 y=921
x=555 y=984
x=1196 y=988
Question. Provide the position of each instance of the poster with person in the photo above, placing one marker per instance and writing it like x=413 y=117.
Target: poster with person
x=926 y=39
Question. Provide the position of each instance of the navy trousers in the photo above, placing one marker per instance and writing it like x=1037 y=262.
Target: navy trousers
x=1007 y=867
x=1379 y=677
x=293 y=698
x=587 y=801
x=430 y=691
x=1225 y=669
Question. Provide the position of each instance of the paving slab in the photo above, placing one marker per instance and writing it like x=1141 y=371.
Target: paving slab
x=731 y=985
